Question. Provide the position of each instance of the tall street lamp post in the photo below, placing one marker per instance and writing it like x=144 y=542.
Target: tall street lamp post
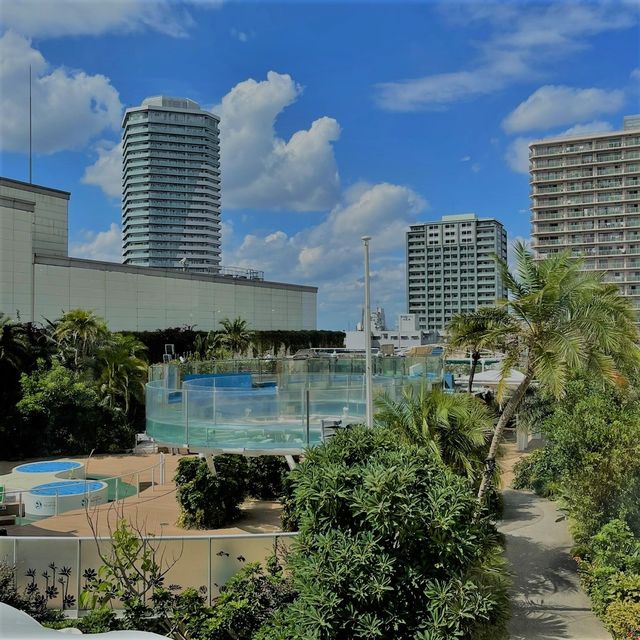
x=367 y=335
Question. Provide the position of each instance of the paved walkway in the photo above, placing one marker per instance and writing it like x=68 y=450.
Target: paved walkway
x=548 y=603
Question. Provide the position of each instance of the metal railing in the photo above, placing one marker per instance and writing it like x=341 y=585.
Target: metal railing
x=156 y=473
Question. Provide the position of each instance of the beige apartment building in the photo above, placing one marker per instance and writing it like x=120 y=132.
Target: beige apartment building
x=585 y=194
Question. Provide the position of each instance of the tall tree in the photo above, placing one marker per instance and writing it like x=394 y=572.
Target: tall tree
x=562 y=320
x=79 y=333
x=455 y=427
x=14 y=343
x=121 y=371
x=236 y=335
x=475 y=331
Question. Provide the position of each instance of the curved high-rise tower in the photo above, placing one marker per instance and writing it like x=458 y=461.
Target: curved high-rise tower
x=171 y=185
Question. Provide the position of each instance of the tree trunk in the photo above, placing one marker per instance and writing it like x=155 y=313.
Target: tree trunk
x=475 y=356
x=507 y=414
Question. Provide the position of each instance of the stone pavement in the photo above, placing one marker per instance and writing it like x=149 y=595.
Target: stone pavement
x=548 y=603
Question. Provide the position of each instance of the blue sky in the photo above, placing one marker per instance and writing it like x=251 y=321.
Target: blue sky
x=338 y=119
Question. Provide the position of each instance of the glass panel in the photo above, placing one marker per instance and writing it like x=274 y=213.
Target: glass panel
x=52 y=565
x=230 y=554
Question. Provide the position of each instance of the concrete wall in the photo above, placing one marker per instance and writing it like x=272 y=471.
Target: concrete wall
x=38 y=280
x=134 y=298
x=16 y=259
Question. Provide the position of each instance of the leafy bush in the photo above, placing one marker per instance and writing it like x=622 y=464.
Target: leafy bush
x=537 y=472
x=266 y=476
x=96 y=621
x=30 y=600
x=246 y=602
x=389 y=547
x=207 y=500
x=623 y=620
x=611 y=566
x=61 y=413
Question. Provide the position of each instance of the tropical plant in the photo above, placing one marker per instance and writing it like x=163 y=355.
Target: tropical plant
x=31 y=599
x=235 y=335
x=133 y=571
x=14 y=343
x=475 y=331
x=455 y=427
x=248 y=601
x=388 y=547
x=266 y=477
x=121 y=371
x=538 y=472
x=210 y=500
x=79 y=333
x=562 y=319
x=61 y=413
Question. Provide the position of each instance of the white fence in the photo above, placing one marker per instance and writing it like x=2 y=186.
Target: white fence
x=59 y=565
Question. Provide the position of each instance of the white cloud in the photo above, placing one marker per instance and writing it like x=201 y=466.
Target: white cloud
x=54 y=18
x=597 y=126
x=70 y=107
x=517 y=155
x=635 y=74
x=106 y=172
x=242 y=36
x=465 y=158
x=101 y=245
x=260 y=169
x=524 y=41
x=329 y=254
x=552 y=106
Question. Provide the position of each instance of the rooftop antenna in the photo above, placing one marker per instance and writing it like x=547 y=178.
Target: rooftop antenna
x=30 y=134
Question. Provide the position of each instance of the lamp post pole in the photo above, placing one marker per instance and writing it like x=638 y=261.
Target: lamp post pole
x=367 y=335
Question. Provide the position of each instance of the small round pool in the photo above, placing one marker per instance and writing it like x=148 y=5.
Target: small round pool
x=63 y=468
x=53 y=498
x=67 y=488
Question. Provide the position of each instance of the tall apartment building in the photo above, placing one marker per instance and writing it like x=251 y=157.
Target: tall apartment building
x=171 y=186
x=450 y=267
x=586 y=198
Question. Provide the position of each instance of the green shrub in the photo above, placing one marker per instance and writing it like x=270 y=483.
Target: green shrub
x=247 y=601
x=537 y=472
x=207 y=500
x=389 y=547
x=29 y=600
x=623 y=620
x=62 y=414
x=610 y=566
x=96 y=621
x=266 y=477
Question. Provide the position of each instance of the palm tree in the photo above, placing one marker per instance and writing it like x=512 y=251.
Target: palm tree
x=562 y=320
x=236 y=335
x=121 y=370
x=456 y=427
x=81 y=332
x=475 y=331
x=14 y=343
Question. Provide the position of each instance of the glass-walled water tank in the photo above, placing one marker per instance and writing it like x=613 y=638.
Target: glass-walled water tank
x=273 y=405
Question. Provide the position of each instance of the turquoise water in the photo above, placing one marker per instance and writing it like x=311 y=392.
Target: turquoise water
x=275 y=435
x=53 y=466
x=67 y=488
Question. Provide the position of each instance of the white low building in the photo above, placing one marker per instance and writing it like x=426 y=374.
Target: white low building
x=406 y=336
x=39 y=280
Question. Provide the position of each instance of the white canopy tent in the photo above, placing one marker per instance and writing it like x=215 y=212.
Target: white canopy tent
x=491 y=378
